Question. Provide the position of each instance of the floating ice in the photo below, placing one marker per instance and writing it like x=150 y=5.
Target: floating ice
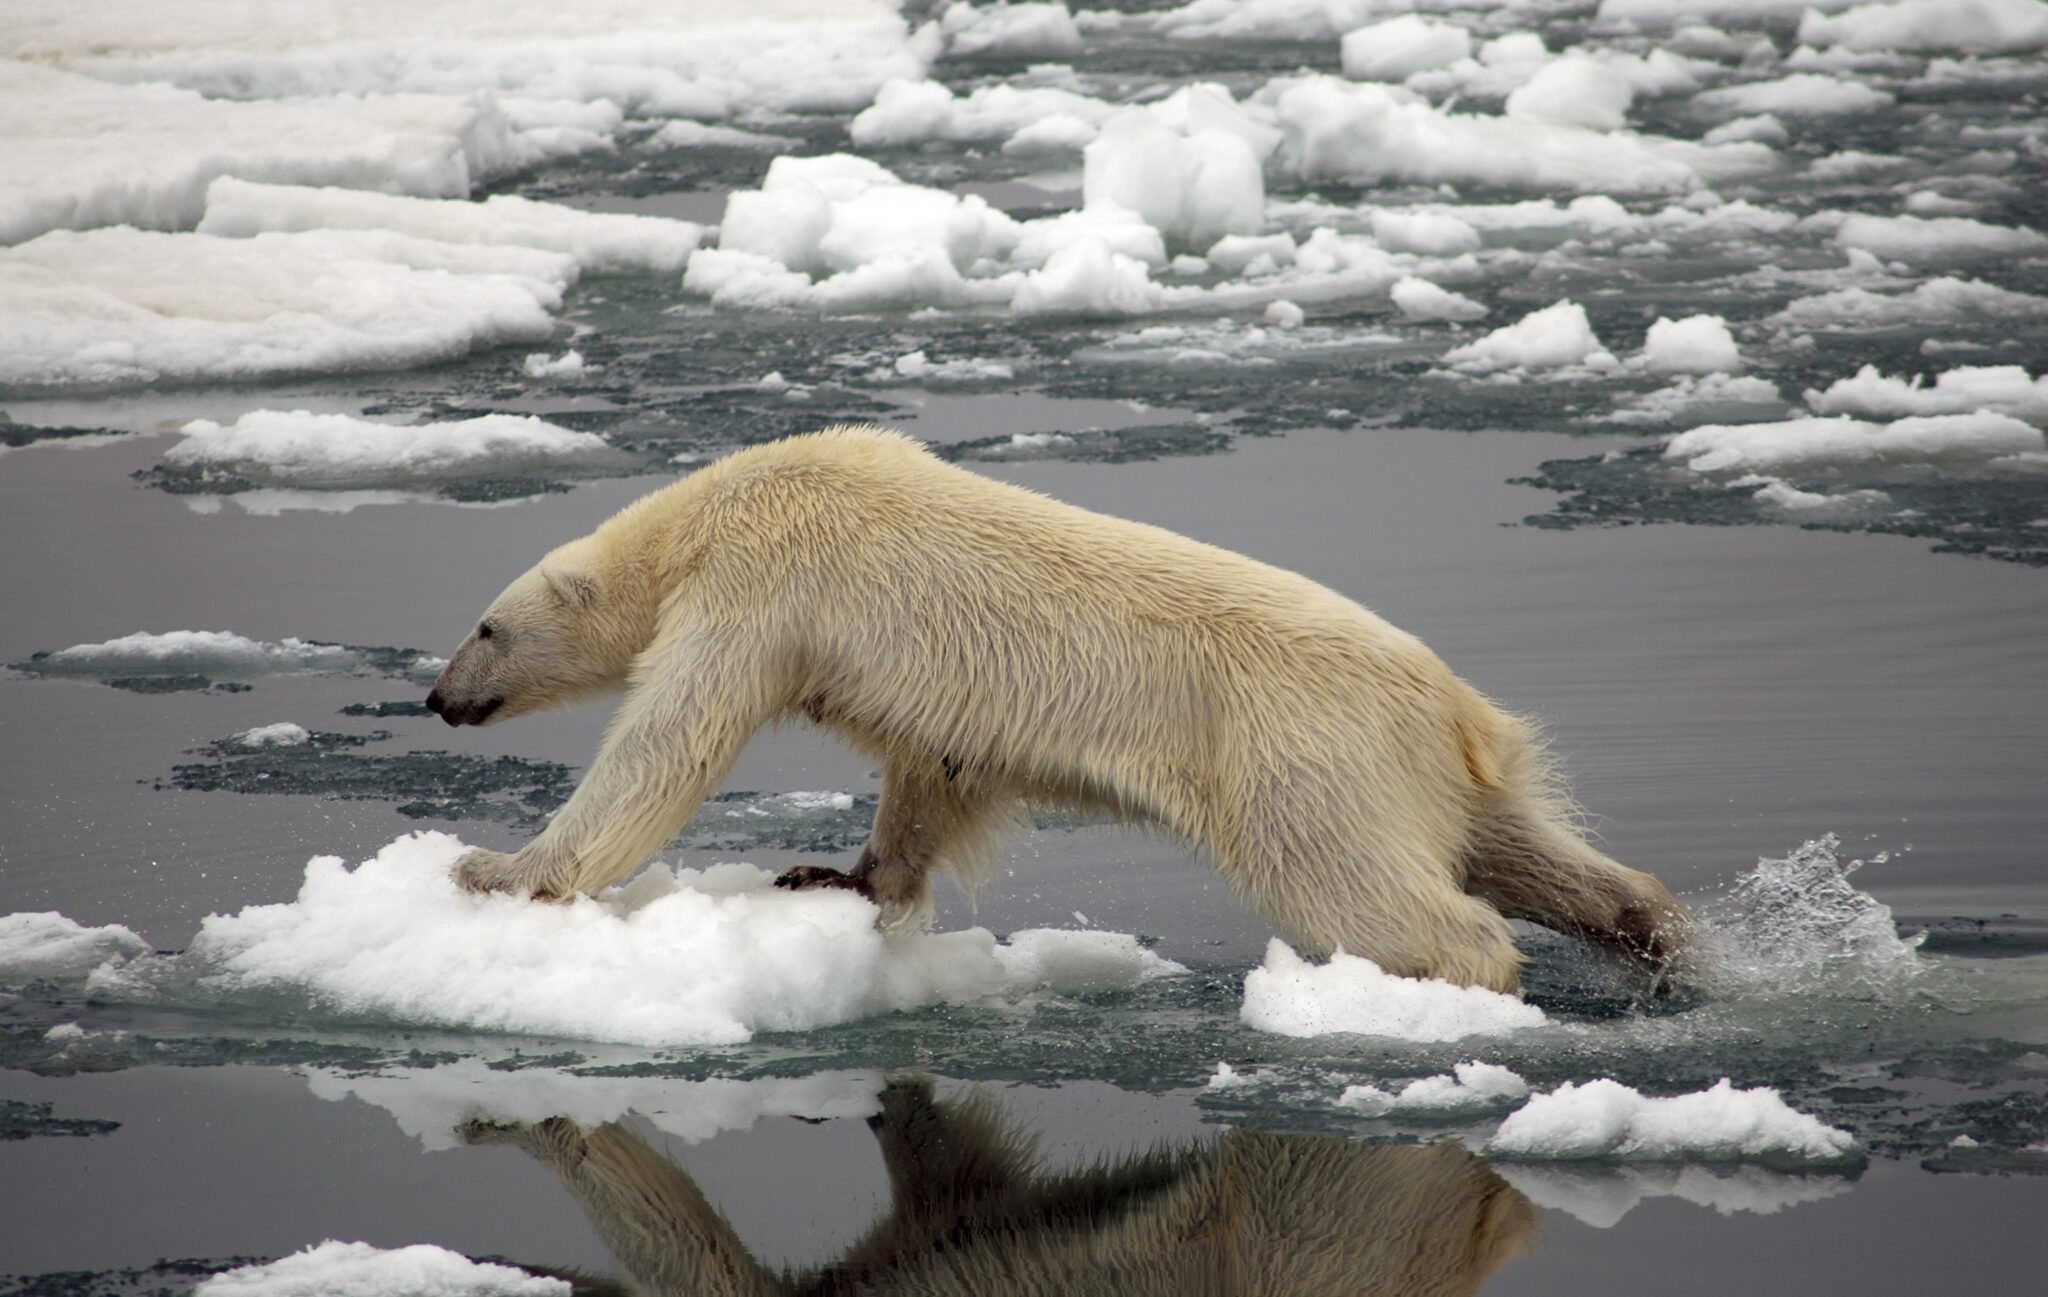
x=299 y=448
x=1010 y=30
x=223 y=655
x=672 y=957
x=1472 y=1087
x=1193 y=189
x=1400 y=47
x=541 y=365
x=121 y=306
x=697 y=135
x=76 y=152
x=2005 y=389
x=1697 y=344
x=1369 y=133
x=1421 y=300
x=599 y=242
x=335 y=1269
x=1845 y=442
x=1288 y=996
x=1941 y=238
x=1603 y=1118
x=1803 y=94
x=1434 y=234
x=1700 y=400
x=1966 y=26
x=1559 y=335
x=1946 y=300
x=1574 y=91
x=1025 y=119
x=46 y=944
x=430 y=1102
x=284 y=734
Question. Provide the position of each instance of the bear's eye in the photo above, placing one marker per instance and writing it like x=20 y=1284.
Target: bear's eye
x=483 y=630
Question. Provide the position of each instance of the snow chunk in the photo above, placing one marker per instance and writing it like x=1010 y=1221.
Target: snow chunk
x=430 y=1103
x=1574 y=91
x=1087 y=278
x=218 y=654
x=1373 y=133
x=672 y=957
x=1697 y=344
x=1010 y=30
x=1469 y=1088
x=2005 y=389
x=1421 y=300
x=1288 y=996
x=1967 y=26
x=1554 y=337
x=300 y=448
x=1430 y=234
x=1839 y=442
x=1941 y=238
x=46 y=944
x=1027 y=119
x=1946 y=300
x=541 y=365
x=334 y=1269
x=77 y=152
x=284 y=734
x=126 y=307
x=1603 y=1118
x=1804 y=94
x=1193 y=188
x=1400 y=47
x=599 y=242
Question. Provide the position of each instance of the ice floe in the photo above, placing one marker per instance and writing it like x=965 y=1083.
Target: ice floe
x=1964 y=26
x=299 y=448
x=1603 y=1118
x=1289 y=996
x=671 y=957
x=338 y=1269
x=47 y=944
x=223 y=655
x=1468 y=1088
x=1556 y=337
x=1697 y=344
x=1813 y=443
x=2004 y=389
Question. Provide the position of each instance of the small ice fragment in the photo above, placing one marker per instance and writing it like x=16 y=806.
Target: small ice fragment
x=1284 y=314
x=283 y=734
x=538 y=365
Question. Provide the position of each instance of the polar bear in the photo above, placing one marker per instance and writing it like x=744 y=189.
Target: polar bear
x=993 y=649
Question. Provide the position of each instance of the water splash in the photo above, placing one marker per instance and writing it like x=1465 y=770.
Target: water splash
x=1798 y=924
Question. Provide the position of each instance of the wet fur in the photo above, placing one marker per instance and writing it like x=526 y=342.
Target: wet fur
x=993 y=649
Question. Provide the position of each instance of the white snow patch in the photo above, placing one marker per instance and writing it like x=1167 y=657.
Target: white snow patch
x=1940 y=238
x=336 y=1269
x=1288 y=996
x=1421 y=300
x=2004 y=389
x=671 y=957
x=305 y=449
x=1774 y=448
x=1966 y=26
x=1697 y=344
x=284 y=734
x=1400 y=47
x=47 y=944
x=1557 y=336
x=430 y=1103
x=121 y=306
x=1803 y=94
x=1472 y=1087
x=599 y=242
x=1603 y=1118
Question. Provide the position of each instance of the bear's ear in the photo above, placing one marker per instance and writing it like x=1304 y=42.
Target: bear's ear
x=575 y=588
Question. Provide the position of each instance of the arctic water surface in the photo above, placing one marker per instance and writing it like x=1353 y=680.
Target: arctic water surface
x=1674 y=368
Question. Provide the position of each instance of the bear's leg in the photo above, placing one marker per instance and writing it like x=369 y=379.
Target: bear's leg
x=927 y=817
x=1530 y=866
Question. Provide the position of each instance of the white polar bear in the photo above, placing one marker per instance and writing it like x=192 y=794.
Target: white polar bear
x=992 y=649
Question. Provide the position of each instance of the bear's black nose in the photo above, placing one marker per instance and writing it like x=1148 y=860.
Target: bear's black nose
x=434 y=703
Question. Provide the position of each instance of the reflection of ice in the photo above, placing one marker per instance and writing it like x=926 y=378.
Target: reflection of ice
x=429 y=1103
x=672 y=957
x=1601 y=1196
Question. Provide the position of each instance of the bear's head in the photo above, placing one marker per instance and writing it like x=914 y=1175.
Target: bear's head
x=552 y=638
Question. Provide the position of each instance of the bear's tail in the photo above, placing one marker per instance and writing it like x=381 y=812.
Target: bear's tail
x=1528 y=857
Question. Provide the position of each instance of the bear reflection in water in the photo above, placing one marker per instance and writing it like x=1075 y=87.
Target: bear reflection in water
x=972 y=1214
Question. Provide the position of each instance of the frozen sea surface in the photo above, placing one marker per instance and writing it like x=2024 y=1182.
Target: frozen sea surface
x=314 y=330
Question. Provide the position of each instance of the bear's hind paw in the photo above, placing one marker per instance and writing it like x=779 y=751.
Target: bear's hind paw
x=798 y=878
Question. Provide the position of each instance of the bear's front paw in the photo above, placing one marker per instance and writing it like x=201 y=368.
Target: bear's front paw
x=494 y=871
